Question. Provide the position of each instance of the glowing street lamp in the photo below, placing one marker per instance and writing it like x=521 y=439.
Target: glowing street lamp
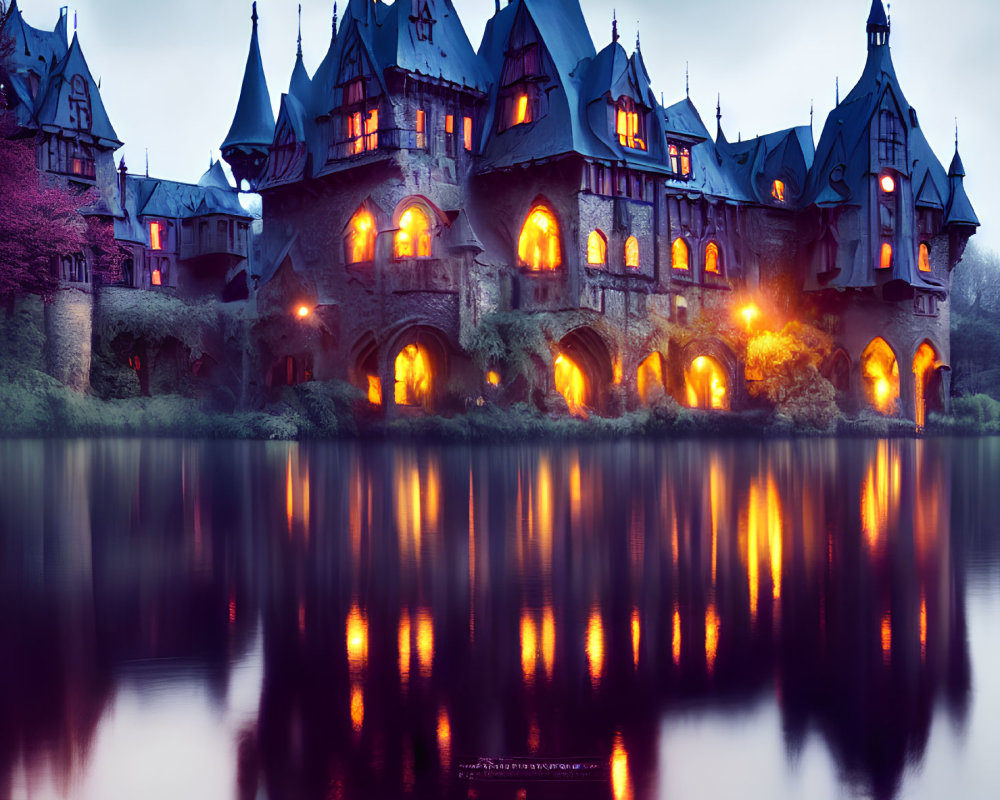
x=749 y=314
x=302 y=312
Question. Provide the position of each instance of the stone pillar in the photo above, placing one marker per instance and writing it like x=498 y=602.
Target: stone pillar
x=69 y=322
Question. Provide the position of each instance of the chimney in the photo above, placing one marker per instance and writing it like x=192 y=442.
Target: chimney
x=122 y=180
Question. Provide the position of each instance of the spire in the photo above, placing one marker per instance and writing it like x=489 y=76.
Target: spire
x=637 y=35
x=838 y=90
x=718 y=115
x=335 y=20
x=878 y=26
x=957 y=169
x=298 y=52
x=614 y=26
x=959 y=210
x=687 y=80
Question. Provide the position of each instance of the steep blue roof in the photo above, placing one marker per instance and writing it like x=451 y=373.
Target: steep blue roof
x=567 y=44
x=55 y=109
x=959 y=211
x=447 y=55
x=784 y=155
x=34 y=48
x=253 y=123
x=215 y=177
x=711 y=174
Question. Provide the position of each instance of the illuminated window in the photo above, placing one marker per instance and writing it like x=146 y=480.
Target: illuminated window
x=413 y=239
x=778 y=190
x=521 y=100
x=571 y=383
x=632 y=252
x=924 y=259
x=712 y=258
x=156 y=278
x=679 y=254
x=421 y=129
x=888 y=184
x=467 y=133
x=597 y=249
x=155 y=235
x=360 y=240
x=630 y=125
x=885 y=256
x=449 y=123
x=705 y=384
x=649 y=377
x=680 y=160
x=880 y=373
x=374 y=390
x=362 y=131
x=538 y=247
x=925 y=363
x=413 y=376
x=493 y=378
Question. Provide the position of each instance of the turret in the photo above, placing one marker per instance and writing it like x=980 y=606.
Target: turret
x=959 y=212
x=878 y=26
x=252 y=131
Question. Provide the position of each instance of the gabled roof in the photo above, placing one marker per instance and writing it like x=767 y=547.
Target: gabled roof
x=447 y=55
x=215 y=177
x=33 y=48
x=253 y=123
x=711 y=174
x=566 y=41
x=55 y=109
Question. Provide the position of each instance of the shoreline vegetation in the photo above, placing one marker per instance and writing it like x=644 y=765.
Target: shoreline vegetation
x=35 y=405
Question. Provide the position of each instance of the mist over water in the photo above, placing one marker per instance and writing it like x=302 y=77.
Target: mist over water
x=707 y=619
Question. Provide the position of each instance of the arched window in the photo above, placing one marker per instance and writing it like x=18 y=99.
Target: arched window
x=630 y=125
x=679 y=255
x=880 y=372
x=597 y=249
x=413 y=376
x=632 y=252
x=712 y=258
x=649 y=378
x=359 y=243
x=413 y=239
x=706 y=384
x=924 y=260
x=538 y=247
x=885 y=256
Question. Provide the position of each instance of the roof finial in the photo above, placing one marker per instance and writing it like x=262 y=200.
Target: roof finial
x=614 y=26
x=335 y=18
x=298 y=52
x=811 y=109
x=74 y=20
x=147 y=157
x=718 y=107
x=956 y=134
x=637 y=34
x=254 y=16
x=838 y=91
x=687 y=79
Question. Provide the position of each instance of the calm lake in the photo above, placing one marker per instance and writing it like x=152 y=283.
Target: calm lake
x=785 y=619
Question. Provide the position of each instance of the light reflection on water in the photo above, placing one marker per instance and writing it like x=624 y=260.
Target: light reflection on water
x=293 y=620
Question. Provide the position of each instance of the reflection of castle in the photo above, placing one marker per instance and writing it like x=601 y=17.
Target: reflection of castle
x=412 y=187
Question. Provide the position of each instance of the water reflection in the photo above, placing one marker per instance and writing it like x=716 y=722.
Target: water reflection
x=413 y=608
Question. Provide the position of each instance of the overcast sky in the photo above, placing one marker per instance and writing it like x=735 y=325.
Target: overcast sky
x=171 y=71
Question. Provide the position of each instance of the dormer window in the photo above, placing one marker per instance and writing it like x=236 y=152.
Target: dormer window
x=155 y=235
x=361 y=118
x=889 y=140
x=79 y=103
x=423 y=22
x=630 y=125
x=413 y=239
x=924 y=258
x=521 y=99
x=680 y=160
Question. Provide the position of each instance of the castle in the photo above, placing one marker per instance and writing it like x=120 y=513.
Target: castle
x=416 y=191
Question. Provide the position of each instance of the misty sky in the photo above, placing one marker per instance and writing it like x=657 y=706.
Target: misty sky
x=171 y=72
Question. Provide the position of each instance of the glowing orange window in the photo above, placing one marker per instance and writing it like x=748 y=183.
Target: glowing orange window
x=881 y=376
x=632 y=252
x=685 y=162
x=924 y=260
x=413 y=376
x=538 y=246
x=674 y=159
x=374 y=390
x=629 y=124
x=706 y=385
x=712 y=258
x=156 y=278
x=413 y=239
x=360 y=239
x=885 y=256
x=467 y=132
x=155 y=235
x=421 y=129
x=597 y=249
x=522 y=113
x=449 y=124
x=778 y=191
x=679 y=254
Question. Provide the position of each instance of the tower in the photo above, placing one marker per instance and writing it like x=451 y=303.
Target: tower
x=250 y=136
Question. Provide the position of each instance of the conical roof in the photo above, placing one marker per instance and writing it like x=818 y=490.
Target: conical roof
x=253 y=124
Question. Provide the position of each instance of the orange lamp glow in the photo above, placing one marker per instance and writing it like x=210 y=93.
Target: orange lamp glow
x=413 y=376
x=413 y=239
x=881 y=376
x=632 y=252
x=888 y=184
x=595 y=646
x=571 y=384
x=493 y=378
x=679 y=254
x=597 y=249
x=924 y=258
x=360 y=238
x=778 y=191
x=302 y=312
x=706 y=386
x=538 y=246
x=621 y=784
x=885 y=256
x=749 y=313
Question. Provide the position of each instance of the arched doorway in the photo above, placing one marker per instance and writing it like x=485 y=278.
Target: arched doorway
x=927 y=383
x=706 y=385
x=880 y=376
x=366 y=375
x=583 y=370
x=649 y=378
x=418 y=368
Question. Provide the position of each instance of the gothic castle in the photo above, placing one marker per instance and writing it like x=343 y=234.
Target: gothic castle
x=416 y=192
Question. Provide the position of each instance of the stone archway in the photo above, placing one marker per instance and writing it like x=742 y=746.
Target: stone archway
x=583 y=370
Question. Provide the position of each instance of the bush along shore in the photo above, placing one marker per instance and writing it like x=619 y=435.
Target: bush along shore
x=35 y=404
